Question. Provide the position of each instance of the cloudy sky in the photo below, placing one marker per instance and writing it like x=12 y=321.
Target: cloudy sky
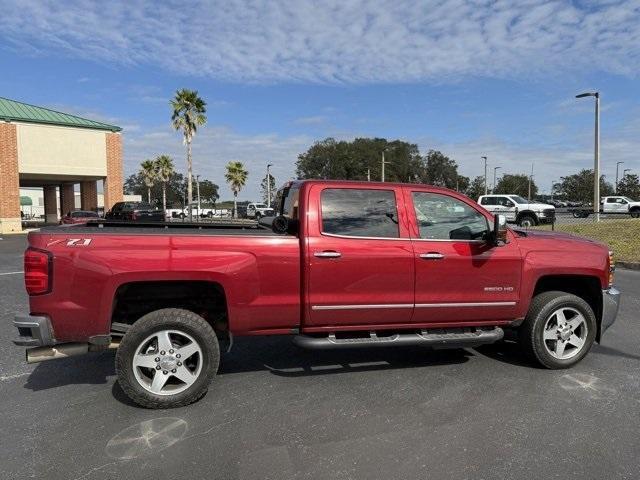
x=469 y=78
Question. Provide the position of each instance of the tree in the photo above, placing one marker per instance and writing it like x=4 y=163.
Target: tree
x=236 y=177
x=440 y=170
x=361 y=159
x=580 y=186
x=462 y=183
x=475 y=188
x=265 y=191
x=188 y=114
x=148 y=173
x=164 y=170
x=208 y=193
x=516 y=184
x=629 y=186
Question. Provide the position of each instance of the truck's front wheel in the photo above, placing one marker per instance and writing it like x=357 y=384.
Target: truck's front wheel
x=167 y=359
x=558 y=330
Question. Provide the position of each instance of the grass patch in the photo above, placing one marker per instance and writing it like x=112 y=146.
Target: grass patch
x=622 y=236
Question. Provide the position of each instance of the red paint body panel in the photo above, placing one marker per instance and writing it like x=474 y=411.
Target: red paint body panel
x=272 y=282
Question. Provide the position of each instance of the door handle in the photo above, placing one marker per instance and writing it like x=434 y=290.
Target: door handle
x=432 y=256
x=327 y=254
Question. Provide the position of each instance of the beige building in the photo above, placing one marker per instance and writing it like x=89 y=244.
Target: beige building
x=55 y=151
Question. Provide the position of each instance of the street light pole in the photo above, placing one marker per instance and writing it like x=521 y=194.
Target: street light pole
x=617 y=167
x=269 y=165
x=485 y=174
x=494 y=178
x=530 y=181
x=383 y=164
x=596 y=155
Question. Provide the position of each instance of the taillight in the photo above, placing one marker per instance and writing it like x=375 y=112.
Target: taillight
x=612 y=268
x=37 y=271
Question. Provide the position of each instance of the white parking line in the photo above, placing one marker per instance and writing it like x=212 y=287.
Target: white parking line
x=12 y=273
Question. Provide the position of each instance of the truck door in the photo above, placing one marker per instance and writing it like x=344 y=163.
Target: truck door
x=359 y=257
x=459 y=275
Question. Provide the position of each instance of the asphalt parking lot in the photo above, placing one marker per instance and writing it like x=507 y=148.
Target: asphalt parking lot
x=279 y=412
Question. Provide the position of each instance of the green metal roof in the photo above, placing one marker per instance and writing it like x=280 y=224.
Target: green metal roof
x=10 y=110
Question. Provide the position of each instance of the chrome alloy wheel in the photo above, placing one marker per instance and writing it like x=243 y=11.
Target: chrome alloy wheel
x=167 y=362
x=565 y=333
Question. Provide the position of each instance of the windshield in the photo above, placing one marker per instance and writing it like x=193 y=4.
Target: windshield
x=260 y=205
x=518 y=199
x=628 y=199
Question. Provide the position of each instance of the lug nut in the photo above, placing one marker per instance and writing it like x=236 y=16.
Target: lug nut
x=157 y=359
x=165 y=372
x=179 y=364
x=162 y=352
x=178 y=355
x=173 y=371
x=170 y=351
x=158 y=367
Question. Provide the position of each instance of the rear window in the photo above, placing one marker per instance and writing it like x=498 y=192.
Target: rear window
x=142 y=206
x=359 y=213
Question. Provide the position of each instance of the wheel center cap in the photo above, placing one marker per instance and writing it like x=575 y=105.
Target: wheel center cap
x=565 y=332
x=168 y=362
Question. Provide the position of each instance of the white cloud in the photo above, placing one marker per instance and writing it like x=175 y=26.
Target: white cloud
x=353 y=42
x=312 y=120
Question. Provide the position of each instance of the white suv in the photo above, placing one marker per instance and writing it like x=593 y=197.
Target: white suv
x=519 y=210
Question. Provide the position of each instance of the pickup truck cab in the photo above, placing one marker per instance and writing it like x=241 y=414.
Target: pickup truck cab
x=342 y=265
x=519 y=210
x=620 y=204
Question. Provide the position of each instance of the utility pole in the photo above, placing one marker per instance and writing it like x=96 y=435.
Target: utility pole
x=485 y=174
x=530 y=180
x=269 y=186
x=596 y=155
x=617 y=167
x=368 y=174
x=495 y=169
x=383 y=164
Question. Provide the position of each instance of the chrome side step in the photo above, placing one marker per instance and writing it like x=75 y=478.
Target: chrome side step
x=436 y=338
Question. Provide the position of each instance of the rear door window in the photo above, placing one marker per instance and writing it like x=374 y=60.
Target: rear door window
x=354 y=212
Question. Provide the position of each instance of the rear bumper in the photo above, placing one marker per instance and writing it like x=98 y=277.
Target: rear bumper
x=610 y=305
x=33 y=331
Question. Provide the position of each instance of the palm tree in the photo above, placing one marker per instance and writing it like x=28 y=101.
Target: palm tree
x=148 y=173
x=188 y=114
x=236 y=177
x=164 y=172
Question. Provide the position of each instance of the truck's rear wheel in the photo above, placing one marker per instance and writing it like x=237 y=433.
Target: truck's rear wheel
x=635 y=213
x=559 y=329
x=167 y=359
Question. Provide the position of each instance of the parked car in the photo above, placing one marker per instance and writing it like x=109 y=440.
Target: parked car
x=259 y=210
x=79 y=216
x=134 y=212
x=519 y=210
x=344 y=265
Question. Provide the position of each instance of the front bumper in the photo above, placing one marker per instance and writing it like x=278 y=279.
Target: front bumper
x=610 y=305
x=33 y=331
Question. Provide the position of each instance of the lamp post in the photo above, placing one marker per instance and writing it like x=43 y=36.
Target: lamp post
x=617 y=167
x=495 y=169
x=485 y=174
x=269 y=165
x=198 y=193
x=596 y=155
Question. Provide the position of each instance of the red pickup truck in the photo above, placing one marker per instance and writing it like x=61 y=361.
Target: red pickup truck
x=343 y=264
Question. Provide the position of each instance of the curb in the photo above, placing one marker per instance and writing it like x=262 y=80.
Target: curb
x=628 y=265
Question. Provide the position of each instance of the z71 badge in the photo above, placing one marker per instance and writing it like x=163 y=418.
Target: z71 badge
x=78 y=242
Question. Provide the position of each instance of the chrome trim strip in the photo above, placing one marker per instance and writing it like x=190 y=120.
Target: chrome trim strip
x=410 y=305
x=447 y=240
x=465 y=304
x=361 y=307
x=406 y=239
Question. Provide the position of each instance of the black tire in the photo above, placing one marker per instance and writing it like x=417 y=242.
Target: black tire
x=167 y=319
x=635 y=213
x=527 y=220
x=530 y=333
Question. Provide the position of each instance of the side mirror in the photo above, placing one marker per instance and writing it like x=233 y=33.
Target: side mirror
x=499 y=230
x=282 y=225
